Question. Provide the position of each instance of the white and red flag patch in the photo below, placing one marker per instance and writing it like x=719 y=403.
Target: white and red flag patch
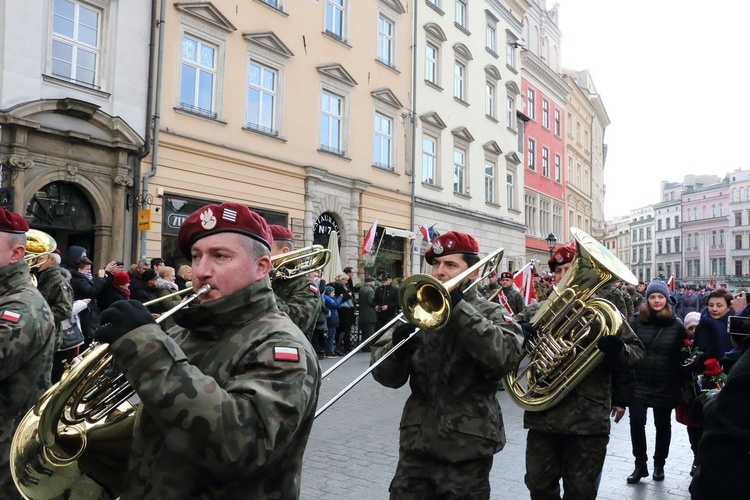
x=313 y=289
x=285 y=354
x=11 y=316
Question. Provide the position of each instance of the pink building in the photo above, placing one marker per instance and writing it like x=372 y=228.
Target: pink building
x=705 y=230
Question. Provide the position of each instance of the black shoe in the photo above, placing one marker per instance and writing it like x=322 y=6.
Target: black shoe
x=641 y=470
x=658 y=473
x=694 y=467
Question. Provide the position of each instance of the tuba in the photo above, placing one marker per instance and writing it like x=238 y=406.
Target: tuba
x=75 y=442
x=299 y=262
x=569 y=324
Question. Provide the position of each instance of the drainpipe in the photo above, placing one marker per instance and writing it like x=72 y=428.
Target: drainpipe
x=157 y=108
x=413 y=130
x=147 y=139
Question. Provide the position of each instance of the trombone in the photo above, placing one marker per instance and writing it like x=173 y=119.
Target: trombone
x=426 y=303
x=299 y=262
x=169 y=296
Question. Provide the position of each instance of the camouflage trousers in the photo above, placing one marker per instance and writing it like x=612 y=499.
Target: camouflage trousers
x=418 y=478
x=577 y=459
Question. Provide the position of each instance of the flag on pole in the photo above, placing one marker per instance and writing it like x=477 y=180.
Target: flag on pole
x=426 y=232
x=523 y=281
x=369 y=238
x=711 y=282
x=670 y=283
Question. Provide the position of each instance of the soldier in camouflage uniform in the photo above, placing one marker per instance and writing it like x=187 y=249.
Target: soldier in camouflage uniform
x=451 y=425
x=298 y=297
x=228 y=396
x=27 y=340
x=636 y=294
x=515 y=301
x=569 y=440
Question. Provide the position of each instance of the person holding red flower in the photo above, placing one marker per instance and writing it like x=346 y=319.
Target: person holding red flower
x=724 y=452
x=684 y=412
x=658 y=378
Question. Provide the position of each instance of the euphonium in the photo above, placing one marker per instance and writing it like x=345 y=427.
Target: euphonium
x=569 y=324
x=75 y=441
x=39 y=245
x=299 y=262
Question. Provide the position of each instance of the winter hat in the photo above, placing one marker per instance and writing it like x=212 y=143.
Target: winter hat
x=657 y=286
x=692 y=319
x=121 y=278
x=328 y=289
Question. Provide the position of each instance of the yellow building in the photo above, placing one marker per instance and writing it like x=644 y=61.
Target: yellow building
x=297 y=109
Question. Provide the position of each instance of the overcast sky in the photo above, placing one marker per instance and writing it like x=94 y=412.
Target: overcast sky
x=672 y=76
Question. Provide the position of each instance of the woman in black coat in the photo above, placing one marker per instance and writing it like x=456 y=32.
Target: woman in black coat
x=658 y=378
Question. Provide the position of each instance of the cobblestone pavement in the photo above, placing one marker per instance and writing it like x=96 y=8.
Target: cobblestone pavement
x=353 y=448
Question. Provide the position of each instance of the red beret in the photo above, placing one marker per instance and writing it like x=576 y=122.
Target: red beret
x=229 y=217
x=120 y=278
x=562 y=255
x=11 y=222
x=450 y=243
x=505 y=275
x=281 y=233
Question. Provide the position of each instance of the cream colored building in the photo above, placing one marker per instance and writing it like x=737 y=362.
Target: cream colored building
x=468 y=171
x=578 y=188
x=297 y=109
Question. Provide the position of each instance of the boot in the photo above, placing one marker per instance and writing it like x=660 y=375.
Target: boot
x=694 y=467
x=658 y=472
x=641 y=470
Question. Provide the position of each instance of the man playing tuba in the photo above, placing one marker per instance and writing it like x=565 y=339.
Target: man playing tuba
x=451 y=425
x=569 y=440
x=27 y=340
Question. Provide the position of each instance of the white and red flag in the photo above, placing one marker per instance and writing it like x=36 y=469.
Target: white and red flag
x=523 y=281
x=369 y=238
x=670 y=283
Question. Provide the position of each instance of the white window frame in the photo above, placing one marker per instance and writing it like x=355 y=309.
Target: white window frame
x=558 y=126
x=558 y=169
x=491 y=35
x=430 y=157
x=531 y=103
x=545 y=113
x=510 y=50
x=531 y=154
x=545 y=161
x=78 y=46
x=510 y=188
x=326 y=113
x=340 y=7
x=460 y=69
x=490 y=91
x=432 y=65
x=462 y=13
x=272 y=127
x=382 y=142
x=460 y=169
x=386 y=45
x=195 y=106
x=490 y=181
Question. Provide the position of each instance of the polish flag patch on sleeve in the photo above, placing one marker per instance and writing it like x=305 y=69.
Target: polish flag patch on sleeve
x=11 y=316
x=313 y=289
x=507 y=318
x=285 y=354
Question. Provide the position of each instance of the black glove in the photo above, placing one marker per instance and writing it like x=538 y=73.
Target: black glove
x=610 y=345
x=400 y=333
x=529 y=333
x=698 y=363
x=120 y=318
x=456 y=296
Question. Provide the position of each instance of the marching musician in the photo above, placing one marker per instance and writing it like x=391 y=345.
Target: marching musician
x=227 y=397
x=514 y=300
x=27 y=340
x=452 y=424
x=298 y=297
x=569 y=440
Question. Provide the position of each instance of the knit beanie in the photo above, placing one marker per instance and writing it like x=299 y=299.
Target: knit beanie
x=121 y=278
x=692 y=319
x=657 y=286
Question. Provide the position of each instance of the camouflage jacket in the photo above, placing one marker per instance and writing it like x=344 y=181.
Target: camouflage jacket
x=452 y=414
x=614 y=295
x=367 y=305
x=300 y=299
x=586 y=408
x=227 y=401
x=27 y=344
x=515 y=301
x=57 y=292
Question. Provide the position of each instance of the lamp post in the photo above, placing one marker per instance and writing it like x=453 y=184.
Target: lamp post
x=551 y=240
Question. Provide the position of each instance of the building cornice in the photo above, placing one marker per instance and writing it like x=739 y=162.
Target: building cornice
x=533 y=65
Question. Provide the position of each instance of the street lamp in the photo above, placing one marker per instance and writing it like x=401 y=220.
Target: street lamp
x=551 y=240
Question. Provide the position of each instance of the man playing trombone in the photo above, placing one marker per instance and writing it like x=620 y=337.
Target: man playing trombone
x=298 y=297
x=228 y=396
x=451 y=425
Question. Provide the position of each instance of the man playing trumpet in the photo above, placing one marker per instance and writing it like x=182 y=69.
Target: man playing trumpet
x=452 y=424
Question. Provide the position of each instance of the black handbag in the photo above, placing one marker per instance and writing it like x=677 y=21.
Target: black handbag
x=70 y=337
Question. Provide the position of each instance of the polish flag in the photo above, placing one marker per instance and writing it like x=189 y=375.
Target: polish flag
x=369 y=238
x=425 y=233
x=523 y=281
x=670 y=283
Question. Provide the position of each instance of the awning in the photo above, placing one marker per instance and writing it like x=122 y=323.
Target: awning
x=392 y=231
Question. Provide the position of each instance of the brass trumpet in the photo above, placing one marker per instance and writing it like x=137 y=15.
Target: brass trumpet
x=299 y=262
x=39 y=246
x=87 y=412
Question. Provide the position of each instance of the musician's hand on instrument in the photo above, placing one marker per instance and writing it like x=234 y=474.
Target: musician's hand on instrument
x=456 y=296
x=120 y=318
x=610 y=345
x=407 y=349
x=529 y=333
